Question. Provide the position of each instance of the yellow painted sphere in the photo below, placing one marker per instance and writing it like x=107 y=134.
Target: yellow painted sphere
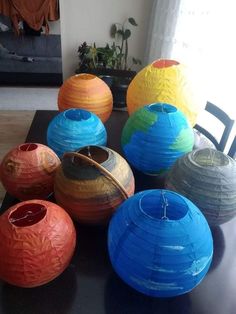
x=166 y=81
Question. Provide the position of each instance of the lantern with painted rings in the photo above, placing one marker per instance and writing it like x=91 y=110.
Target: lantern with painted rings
x=166 y=81
x=86 y=91
x=75 y=128
x=160 y=243
x=27 y=171
x=208 y=178
x=37 y=241
x=155 y=136
x=92 y=182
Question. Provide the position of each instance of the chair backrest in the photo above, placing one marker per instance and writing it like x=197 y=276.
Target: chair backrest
x=224 y=119
x=232 y=150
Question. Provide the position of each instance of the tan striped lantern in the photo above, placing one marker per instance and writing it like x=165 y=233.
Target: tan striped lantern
x=88 y=92
x=92 y=182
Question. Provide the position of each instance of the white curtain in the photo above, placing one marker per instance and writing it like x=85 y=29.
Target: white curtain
x=201 y=34
x=161 y=33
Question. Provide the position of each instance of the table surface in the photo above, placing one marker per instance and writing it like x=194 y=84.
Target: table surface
x=90 y=286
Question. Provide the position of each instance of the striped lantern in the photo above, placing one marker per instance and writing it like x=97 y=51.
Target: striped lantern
x=155 y=136
x=208 y=178
x=27 y=171
x=160 y=243
x=92 y=182
x=73 y=129
x=166 y=81
x=37 y=241
x=86 y=91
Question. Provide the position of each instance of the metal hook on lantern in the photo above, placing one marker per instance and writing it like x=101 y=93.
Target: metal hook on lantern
x=164 y=205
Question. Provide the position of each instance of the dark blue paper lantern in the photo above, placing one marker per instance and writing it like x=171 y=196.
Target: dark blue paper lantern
x=155 y=136
x=73 y=129
x=160 y=243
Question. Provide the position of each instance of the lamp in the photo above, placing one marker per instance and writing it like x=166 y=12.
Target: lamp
x=86 y=91
x=160 y=243
x=37 y=241
x=155 y=136
x=92 y=182
x=75 y=128
x=27 y=171
x=208 y=178
x=166 y=81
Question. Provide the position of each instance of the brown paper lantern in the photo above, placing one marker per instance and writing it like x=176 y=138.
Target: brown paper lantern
x=88 y=92
x=90 y=184
x=37 y=241
x=27 y=171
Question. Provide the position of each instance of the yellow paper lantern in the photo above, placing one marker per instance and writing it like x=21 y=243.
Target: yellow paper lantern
x=165 y=81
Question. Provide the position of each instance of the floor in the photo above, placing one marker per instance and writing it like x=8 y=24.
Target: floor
x=28 y=98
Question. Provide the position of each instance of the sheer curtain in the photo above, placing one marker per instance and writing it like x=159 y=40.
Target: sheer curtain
x=202 y=35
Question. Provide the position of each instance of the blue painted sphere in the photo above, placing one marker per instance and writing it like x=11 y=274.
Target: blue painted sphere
x=160 y=243
x=73 y=129
x=155 y=136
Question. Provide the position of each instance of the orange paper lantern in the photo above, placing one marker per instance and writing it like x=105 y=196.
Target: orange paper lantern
x=91 y=184
x=37 y=241
x=88 y=92
x=27 y=171
x=166 y=81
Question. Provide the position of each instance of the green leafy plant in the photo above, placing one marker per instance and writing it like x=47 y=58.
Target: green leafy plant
x=114 y=56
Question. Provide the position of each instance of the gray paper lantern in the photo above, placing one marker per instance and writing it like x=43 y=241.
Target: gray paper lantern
x=208 y=178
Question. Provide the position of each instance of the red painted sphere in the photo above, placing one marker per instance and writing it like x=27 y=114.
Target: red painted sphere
x=27 y=171
x=37 y=241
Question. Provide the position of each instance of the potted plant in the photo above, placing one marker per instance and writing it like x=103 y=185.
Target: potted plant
x=112 y=62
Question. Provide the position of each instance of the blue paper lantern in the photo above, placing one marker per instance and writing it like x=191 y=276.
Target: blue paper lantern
x=160 y=243
x=155 y=136
x=73 y=129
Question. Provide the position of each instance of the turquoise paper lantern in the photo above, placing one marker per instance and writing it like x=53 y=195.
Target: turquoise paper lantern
x=160 y=243
x=155 y=136
x=73 y=129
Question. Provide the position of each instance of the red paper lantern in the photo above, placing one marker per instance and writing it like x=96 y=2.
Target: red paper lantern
x=37 y=241
x=27 y=171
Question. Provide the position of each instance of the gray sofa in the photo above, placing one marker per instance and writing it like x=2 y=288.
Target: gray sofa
x=46 y=68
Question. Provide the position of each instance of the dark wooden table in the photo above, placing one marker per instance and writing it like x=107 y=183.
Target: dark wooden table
x=90 y=286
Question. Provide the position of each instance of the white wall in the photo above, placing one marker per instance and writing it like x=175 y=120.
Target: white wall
x=90 y=21
x=54 y=27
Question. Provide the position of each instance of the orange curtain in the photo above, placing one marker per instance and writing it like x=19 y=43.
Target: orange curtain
x=36 y=13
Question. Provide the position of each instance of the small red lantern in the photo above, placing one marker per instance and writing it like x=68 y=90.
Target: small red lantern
x=37 y=241
x=27 y=171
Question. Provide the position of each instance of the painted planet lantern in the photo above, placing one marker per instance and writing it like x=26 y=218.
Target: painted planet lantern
x=160 y=243
x=73 y=129
x=37 y=241
x=27 y=171
x=92 y=182
x=155 y=136
x=166 y=81
x=208 y=178
x=86 y=91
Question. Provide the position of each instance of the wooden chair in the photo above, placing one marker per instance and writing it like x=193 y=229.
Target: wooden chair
x=208 y=139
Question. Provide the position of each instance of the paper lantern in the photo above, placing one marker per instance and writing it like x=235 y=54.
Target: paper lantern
x=90 y=184
x=88 y=92
x=160 y=243
x=166 y=81
x=37 y=241
x=27 y=171
x=208 y=178
x=75 y=128
x=155 y=136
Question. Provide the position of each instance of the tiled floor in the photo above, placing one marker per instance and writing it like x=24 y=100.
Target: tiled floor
x=28 y=98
